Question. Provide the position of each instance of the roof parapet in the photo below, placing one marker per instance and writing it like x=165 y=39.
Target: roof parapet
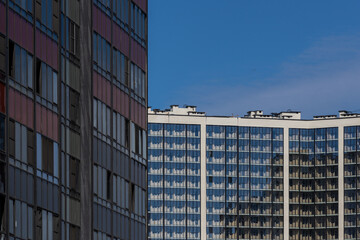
x=345 y=114
x=176 y=110
x=281 y=115
x=325 y=117
x=190 y=110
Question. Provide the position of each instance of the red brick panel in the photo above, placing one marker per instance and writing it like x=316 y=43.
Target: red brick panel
x=121 y=39
x=2 y=19
x=138 y=114
x=101 y=23
x=2 y=98
x=46 y=122
x=21 y=31
x=138 y=54
x=46 y=49
x=21 y=108
x=121 y=102
x=101 y=88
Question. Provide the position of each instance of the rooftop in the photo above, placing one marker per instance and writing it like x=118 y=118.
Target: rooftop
x=295 y=115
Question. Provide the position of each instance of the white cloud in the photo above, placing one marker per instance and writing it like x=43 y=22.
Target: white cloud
x=321 y=80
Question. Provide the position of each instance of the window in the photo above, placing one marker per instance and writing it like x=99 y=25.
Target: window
x=74 y=173
x=120 y=191
x=47 y=12
x=21 y=184
x=138 y=200
x=138 y=22
x=2 y=213
x=120 y=67
x=20 y=65
x=73 y=106
x=46 y=82
x=102 y=153
x=21 y=144
x=102 y=55
x=137 y=140
x=138 y=81
x=73 y=208
x=73 y=38
x=73 y=143
x=47 y=155
x=102 y=182
x=20 y=219
x=74 y=232
x=121 y=11
x=71 y=72
x=47 y=225
x=120 y=128
x=25 y=5
x=101 y=117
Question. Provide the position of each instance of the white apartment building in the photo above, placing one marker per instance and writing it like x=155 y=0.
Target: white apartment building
x=254 y=177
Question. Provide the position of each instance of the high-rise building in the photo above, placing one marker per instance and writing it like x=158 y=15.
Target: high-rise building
x=255 y=177
x=73 y=87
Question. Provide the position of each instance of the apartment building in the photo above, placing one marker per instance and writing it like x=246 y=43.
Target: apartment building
x=73 y=119
x=259 y=176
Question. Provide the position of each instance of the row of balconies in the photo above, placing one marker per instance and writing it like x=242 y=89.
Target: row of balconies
x=215 y=186
x=174 y=159
x=214 y=160
x=174 y=171
x=317 y=162
x=296 y=212
x=173 y=133
x=318 y=236
x=215 y=198
x=174 y=197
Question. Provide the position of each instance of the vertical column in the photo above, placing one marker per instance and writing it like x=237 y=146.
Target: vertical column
x=286 y=184
x=341 y=180
x=203 y=181
x=85 y=120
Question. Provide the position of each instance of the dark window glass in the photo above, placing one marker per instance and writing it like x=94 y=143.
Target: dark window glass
x=108 y=185
x=30 y=188
x=103 y=52
x=2 y=213
x=2 y=177
x=17 y=183
x=73 y=38
x=43 y=80
x=17 y=63
x=49 y=13
x=74 y=174
x=3 y=55
x=46 y=82
x=74 y=99
x=2 y=132
x=11 y=58
x=43 y=11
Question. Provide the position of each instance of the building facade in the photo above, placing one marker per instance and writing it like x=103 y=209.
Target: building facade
x=256 y=177
x=73 y=119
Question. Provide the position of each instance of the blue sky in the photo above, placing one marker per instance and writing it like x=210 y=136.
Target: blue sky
x=228 y=57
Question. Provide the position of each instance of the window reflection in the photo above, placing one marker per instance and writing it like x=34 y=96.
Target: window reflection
x=313 y=179
x=174 y=181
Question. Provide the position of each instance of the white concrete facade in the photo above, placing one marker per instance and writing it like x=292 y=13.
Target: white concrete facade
x=189 y=115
